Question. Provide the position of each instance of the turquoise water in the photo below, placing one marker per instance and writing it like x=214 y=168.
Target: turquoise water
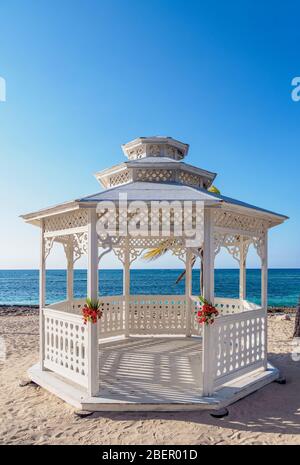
x=21 y=286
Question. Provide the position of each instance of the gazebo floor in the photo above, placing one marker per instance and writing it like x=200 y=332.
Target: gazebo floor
x=151 y=370
x=149 y=374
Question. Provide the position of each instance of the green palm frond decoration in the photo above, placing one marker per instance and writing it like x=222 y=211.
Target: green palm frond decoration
x=156 y=252
x=93 y=303
x=163 y=248
x=214 y=190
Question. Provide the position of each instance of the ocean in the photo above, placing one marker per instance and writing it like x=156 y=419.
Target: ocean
x=21 y=286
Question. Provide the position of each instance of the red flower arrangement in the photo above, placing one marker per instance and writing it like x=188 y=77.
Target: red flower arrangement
x=207 y=313
x=91 y=311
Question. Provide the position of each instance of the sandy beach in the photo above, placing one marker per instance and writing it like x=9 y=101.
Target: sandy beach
x=30 y=415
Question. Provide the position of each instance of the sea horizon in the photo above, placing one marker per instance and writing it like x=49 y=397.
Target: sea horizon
x=21 y=286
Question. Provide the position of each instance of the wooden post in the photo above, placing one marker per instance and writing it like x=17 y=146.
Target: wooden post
x=264 y=274
x=242 y=269
x=126 y=286
x=92 y=291
x=264 y=292
x=70 y=273
x=42 y=294
x=208 y=354
x=188 y=290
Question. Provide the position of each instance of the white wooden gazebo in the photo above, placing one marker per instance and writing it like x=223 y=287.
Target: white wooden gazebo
x=148 y=352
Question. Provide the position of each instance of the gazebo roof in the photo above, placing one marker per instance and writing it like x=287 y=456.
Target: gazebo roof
x=155 y=172
x=147 y=191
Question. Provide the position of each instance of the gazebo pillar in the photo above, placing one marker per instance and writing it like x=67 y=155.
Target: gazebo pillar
x=42 y=294
x=188 y=290
x=264 y=290
x=208 y=357
x=126 y=286
x=92 y=291
x=264 y=273
x=70 y=272
x=243 y=257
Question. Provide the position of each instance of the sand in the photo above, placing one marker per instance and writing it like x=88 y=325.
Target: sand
x=30 y=415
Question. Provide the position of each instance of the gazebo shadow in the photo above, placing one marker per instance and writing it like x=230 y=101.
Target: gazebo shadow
x=273 y=409
x=151 y=370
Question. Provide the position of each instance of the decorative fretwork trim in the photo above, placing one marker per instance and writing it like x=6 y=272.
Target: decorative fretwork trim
x=235 y=244
x=80 y=245
x=259 y=245
x=190 y=179
x=119 y=178
x=137 y=245
x=75 y=219
x=154 y=175
x=48 y=246
x=75 y=245
x=237 y=221
x=230 y=242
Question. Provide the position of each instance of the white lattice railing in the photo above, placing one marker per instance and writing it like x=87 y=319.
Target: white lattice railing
x=65 y=345
x=226 y=306
x=112 y=322
x=152 y=314
x=239 y=344
x=149 y=314
x=238 y=335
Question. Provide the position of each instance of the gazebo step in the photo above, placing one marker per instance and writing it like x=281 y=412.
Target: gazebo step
x=76 y=396
x=57 y=385
x=242 y=387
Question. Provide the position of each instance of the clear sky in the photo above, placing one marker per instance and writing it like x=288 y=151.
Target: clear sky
x=83 y=77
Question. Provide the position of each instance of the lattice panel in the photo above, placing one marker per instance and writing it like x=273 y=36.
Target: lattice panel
x=137 y=152
x=120 y=178
x=189 y=179
x=69 y=220
x=153 y=315
x=154 y=150
x=151 y=242
x=228 y=306
x=138 y=244
x=66 y=341
x=154 y=175
x=240 y=344
x=112 y=321
x=231 y=220
x=174 y=152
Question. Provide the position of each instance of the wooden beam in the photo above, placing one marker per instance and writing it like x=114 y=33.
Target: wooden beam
x=126 y=286
x=70 y=272
x=188 y=290
x=242 y=269
x=42 y=294
x=208 y=355
x=92 y=291
x=264 y=292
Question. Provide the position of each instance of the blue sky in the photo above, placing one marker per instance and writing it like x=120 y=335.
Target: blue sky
x=84 y=77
